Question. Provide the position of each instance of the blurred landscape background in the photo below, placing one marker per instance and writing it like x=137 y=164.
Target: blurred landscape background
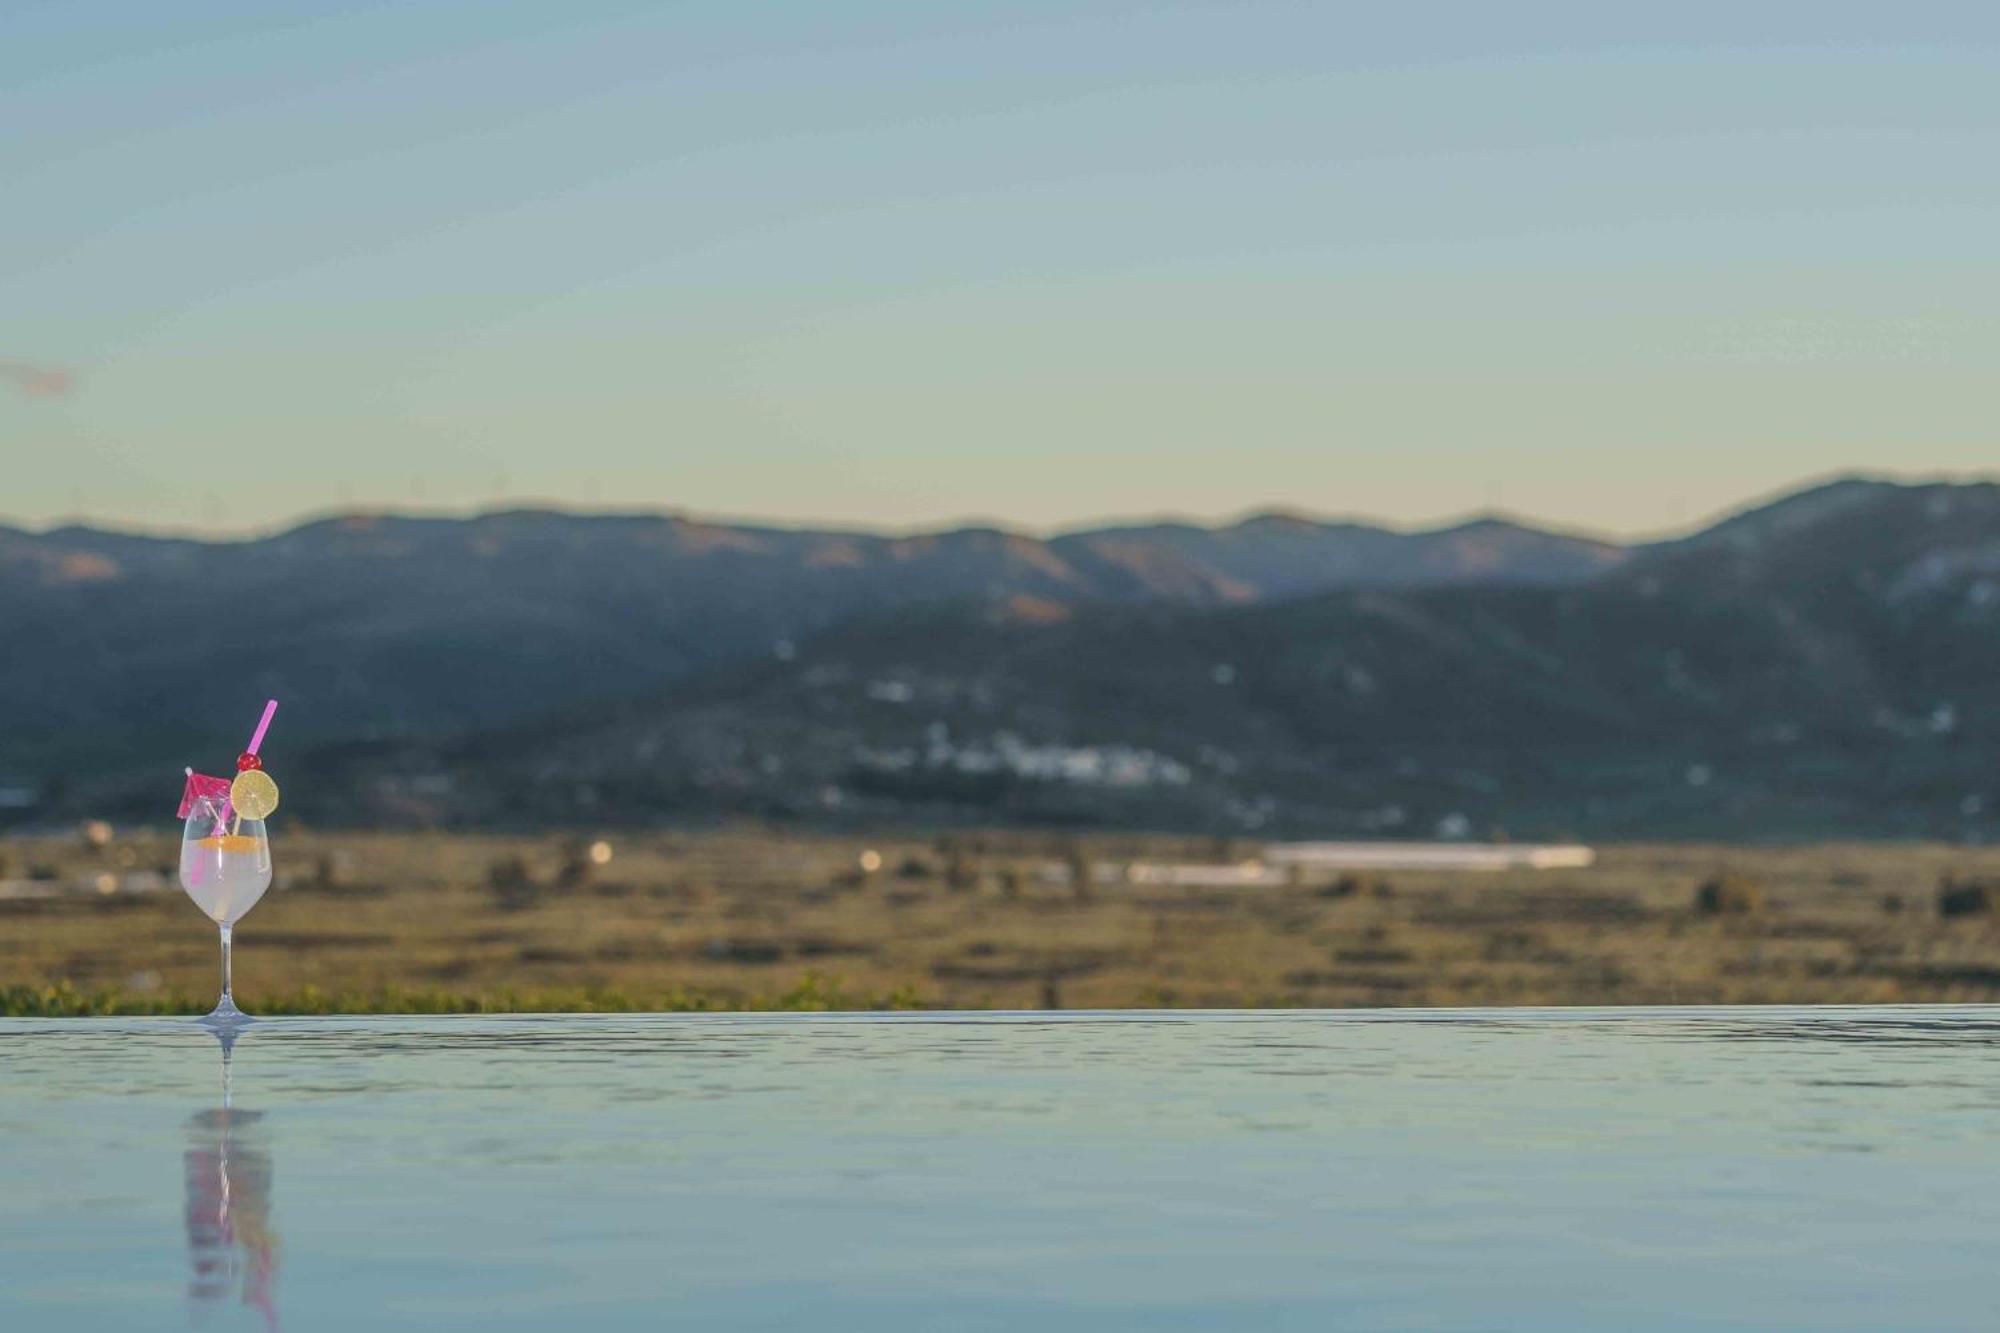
x=559 y=761
x=1235 y=504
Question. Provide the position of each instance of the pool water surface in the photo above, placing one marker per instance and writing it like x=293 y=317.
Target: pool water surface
x=1833 y=1168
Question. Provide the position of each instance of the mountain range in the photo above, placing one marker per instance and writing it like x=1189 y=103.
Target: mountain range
x=1828 y=661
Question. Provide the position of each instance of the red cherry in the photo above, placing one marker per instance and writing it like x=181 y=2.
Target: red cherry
x=247 y=761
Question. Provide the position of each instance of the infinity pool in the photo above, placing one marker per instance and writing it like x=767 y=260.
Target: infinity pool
x=1522 y=1169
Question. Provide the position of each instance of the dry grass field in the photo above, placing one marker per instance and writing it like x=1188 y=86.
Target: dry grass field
x=748 y=918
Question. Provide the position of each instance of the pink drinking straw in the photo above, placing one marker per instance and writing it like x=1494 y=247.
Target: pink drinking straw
x=263 y=725
x=257 y=739
x=187 y=803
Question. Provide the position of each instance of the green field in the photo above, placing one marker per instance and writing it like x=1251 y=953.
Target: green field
x=757 y=919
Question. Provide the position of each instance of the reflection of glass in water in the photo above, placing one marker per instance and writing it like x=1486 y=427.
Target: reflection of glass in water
x=231 y=1244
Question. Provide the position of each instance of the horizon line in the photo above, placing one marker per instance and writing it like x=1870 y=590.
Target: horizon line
x=984 y=523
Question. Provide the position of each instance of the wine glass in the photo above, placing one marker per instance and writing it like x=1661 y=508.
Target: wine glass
x=225 y=868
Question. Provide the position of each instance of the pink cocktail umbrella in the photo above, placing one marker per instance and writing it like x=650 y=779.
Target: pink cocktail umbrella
x=201 y=786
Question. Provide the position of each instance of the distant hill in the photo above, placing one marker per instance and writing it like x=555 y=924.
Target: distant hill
x=1829 y=664
x=126 y=652
x=1275 y=555
x=1826 y=663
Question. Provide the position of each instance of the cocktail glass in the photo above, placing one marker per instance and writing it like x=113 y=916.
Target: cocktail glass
x=225 y=868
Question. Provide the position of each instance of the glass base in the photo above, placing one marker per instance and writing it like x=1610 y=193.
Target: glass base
x=226 y=1015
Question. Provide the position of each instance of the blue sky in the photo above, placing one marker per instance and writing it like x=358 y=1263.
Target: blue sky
x=1610 y=266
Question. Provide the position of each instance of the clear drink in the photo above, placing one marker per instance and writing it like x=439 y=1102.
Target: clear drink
x=226 y=873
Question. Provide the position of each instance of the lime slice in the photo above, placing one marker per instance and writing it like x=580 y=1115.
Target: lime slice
x=253 y=794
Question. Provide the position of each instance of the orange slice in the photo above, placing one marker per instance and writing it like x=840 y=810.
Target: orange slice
x=229 y=842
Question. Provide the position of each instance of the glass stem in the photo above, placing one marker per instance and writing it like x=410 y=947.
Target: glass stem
x=225 y=965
